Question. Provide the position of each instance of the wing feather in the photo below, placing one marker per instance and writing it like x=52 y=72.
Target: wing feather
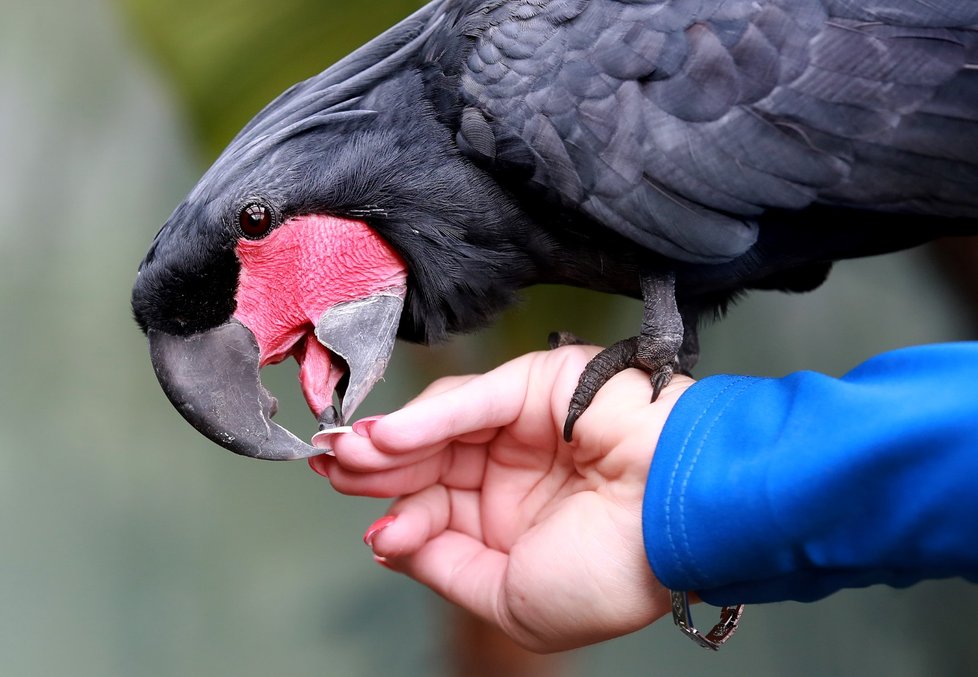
x=677 y=123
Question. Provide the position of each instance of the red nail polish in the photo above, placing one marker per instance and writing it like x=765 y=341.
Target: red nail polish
x=319 y=466
x=363 y=426
x=376 y=528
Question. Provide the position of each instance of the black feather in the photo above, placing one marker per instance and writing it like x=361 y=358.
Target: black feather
x=497 y=144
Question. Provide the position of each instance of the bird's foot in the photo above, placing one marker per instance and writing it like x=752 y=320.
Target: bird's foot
x=665 y=346
x=657 y=358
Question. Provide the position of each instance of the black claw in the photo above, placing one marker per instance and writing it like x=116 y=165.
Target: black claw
x=569 y=422
x=660 y=380
x=597 y=372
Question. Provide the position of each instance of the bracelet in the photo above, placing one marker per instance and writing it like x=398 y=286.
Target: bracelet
x=721 y=632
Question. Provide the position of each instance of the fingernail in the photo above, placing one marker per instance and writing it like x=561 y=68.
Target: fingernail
x=318 y=465
x=363 y=426
x=324 y=438
x=376 y=528
x=382 y=561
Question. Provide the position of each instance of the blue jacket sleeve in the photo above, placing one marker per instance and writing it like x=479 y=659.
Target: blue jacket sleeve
x=790 y=489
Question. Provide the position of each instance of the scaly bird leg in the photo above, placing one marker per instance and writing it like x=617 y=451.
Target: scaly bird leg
x=655 y=350
x=689 y=352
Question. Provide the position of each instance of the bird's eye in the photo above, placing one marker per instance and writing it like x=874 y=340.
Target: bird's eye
x=255 y=220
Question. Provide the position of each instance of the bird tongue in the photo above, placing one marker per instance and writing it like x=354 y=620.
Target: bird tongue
x=318 y=373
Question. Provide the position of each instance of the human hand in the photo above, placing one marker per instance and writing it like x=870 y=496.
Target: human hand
x=499 y=515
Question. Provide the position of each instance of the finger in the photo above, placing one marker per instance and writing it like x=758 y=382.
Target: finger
x=417 y=519
x=359 y=454
x=382 y=484
x=462 y=570
x=459 y=467
x=482 y=402
x=441 y=385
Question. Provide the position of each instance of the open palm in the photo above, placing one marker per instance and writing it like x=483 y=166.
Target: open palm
x=498 y=514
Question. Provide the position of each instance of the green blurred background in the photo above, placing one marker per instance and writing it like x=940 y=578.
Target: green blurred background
x=132 y=546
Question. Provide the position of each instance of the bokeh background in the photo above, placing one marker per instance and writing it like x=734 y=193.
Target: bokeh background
x=129 y=545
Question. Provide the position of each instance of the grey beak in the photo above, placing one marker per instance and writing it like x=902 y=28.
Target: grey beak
x=212 y=377
x=362 y=332
x=212 y=380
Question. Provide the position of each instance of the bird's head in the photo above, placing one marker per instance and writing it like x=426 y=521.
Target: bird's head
x=270 y=257
x=252 y=269
x=342 y=204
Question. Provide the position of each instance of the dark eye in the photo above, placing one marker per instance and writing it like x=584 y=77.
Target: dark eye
x=255 y=220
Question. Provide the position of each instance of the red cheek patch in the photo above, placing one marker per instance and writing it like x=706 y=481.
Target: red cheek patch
x=305 y=266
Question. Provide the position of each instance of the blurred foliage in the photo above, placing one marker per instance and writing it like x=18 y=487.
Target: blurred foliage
x=228 y=58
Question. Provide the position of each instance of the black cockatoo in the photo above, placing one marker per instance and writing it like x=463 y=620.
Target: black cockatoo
x=678 y=150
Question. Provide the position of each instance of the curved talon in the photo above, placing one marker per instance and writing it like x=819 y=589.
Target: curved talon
x=639 y=352
x=661 y=378
x=569 y=422
x=613 y=359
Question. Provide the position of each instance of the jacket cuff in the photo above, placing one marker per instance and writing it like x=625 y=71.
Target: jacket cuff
x=695 y=537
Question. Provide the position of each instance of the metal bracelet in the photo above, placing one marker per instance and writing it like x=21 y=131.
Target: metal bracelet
x=721 y=632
